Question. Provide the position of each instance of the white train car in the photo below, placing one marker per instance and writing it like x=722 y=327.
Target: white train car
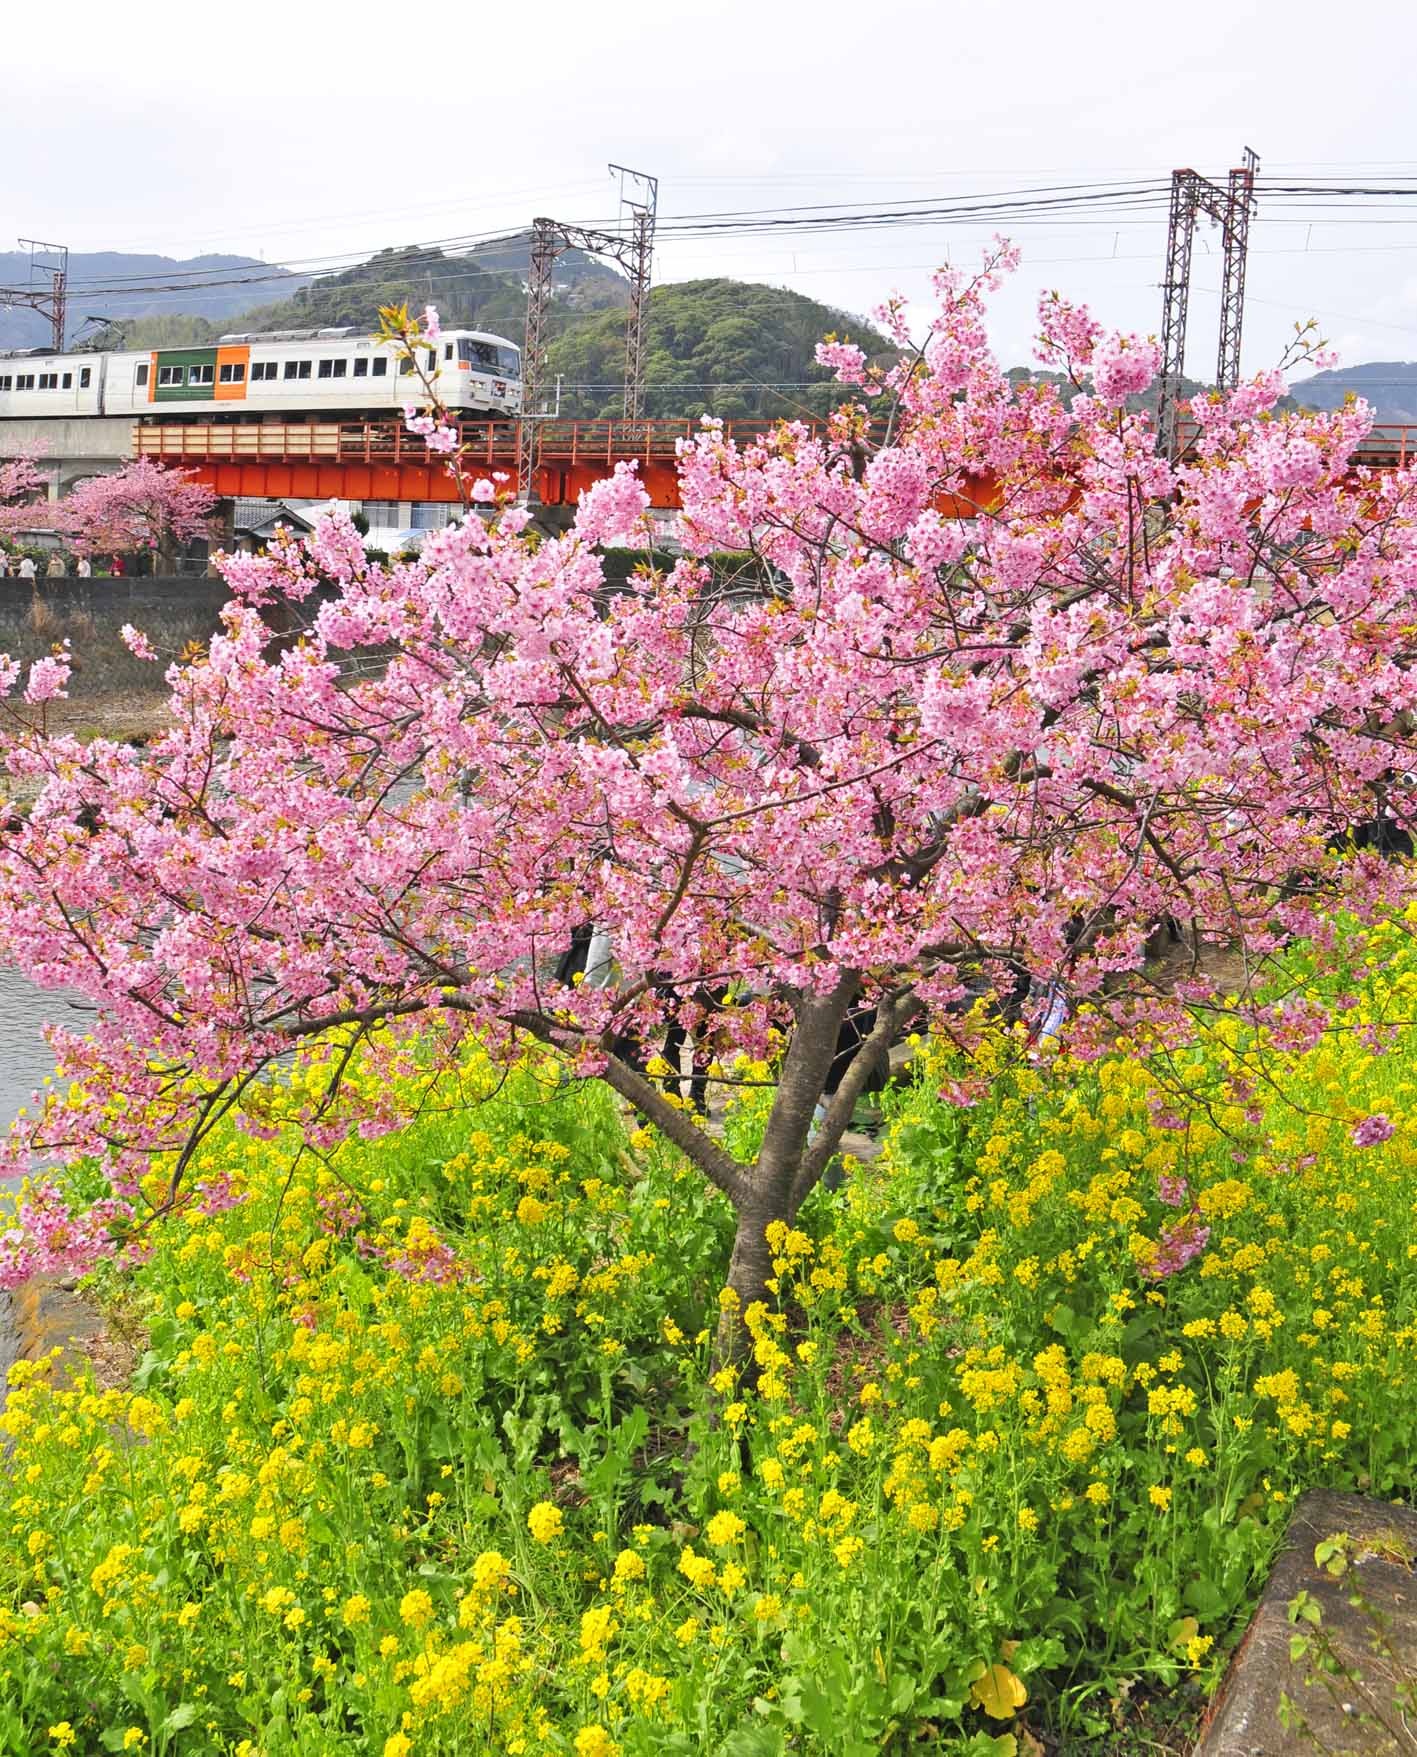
x=286 y=375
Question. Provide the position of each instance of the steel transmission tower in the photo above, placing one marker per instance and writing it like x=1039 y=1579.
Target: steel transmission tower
x=1231 y=208
x=634 y=251
x=52 y=302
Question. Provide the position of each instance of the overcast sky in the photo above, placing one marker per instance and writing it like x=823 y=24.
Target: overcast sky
x=295 y=131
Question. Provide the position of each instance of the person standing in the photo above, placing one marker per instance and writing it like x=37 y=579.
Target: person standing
x=56 y=569
x=84 y=568
x=116 y=567
x=27 y=568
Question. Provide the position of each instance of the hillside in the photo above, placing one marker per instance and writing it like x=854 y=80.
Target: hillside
x=90 y=270
x=717 y=347
x=714 y=346
x=1389 y=385
x=483 y=290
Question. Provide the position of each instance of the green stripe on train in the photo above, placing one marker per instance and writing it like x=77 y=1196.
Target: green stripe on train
x=176 y=380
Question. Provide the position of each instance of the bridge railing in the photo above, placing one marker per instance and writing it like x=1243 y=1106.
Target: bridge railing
x=562 y=442
x=601 y=443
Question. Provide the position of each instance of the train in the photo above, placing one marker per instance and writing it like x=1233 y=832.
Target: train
x=286 y=375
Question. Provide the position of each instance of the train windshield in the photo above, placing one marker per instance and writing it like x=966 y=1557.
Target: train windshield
x=484 y=357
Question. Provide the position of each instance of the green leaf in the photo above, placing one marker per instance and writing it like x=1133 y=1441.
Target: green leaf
x=183 y=1715
x=752 y=1741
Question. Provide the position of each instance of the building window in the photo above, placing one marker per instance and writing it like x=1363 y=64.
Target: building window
x=141 y=376
x=200 y=374
x=430 y=515
x=68 y=381
x=233 y=372
x=384 y=513
x=86 y=377
x=361 y=368
x=380 y=369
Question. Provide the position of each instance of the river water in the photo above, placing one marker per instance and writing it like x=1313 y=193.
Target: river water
x=25 y=1060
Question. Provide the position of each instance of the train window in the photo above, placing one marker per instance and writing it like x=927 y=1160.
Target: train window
x=171 y=375
x=406 y=365
x=361 y=368
x=25 y=381
x=49 y=381
x=141 y=375
x=68 y=383
x=447 y=350
x=432 y=359
x=380 y=369
x=484 y=357
x=200 y=374
x=233 y=372
x=265 y=369
x=7 y=381
x=327 y=369
x=304 y=369
x=299 y=369
x=85 y=377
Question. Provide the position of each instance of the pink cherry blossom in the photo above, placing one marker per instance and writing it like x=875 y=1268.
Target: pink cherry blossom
x=137 y=642
x=1373 y=1130
x=974 y=705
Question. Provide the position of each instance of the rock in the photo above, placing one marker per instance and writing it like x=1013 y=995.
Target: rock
x=1245 y=1721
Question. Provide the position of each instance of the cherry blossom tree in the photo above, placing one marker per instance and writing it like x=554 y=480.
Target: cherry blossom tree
x=1012 y=688
x=21 y=481
x=144 y=505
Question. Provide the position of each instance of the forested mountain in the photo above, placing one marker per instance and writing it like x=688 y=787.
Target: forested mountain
x=95 y=269
x=483 y=290
x=714 y=346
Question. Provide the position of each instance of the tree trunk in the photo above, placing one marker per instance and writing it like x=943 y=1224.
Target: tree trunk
x=769 y=1192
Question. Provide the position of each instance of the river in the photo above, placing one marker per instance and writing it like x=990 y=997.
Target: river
x=24 y=1061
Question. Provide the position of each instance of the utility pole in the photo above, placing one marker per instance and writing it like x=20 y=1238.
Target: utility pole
x=634 y=252
x=52 y=302
x=1232 y=208
x=641 y=200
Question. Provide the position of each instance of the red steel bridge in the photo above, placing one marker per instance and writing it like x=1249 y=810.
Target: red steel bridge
x=379 y=460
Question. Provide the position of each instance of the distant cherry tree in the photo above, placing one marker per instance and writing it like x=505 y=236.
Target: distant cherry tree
x=1011 y=688
x=143 y=506
x=21 y=483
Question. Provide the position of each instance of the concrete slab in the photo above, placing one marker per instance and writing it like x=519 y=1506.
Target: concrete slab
x=1245 y=1721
